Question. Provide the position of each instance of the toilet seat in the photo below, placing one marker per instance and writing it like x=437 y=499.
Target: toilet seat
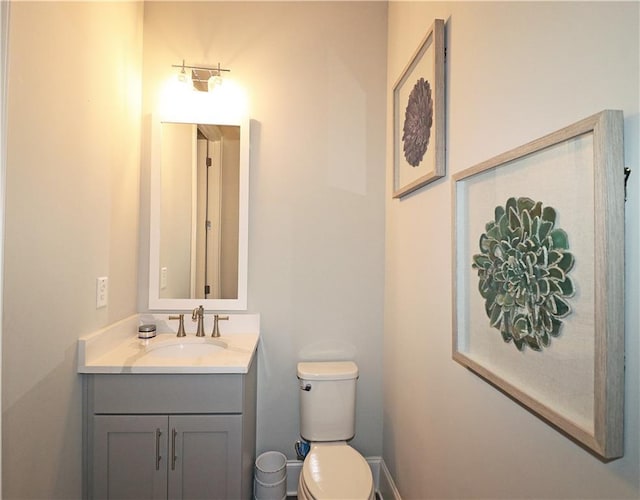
x=335 y=471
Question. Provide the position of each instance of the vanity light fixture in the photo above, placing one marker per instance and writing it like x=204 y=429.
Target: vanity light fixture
x=203 y=78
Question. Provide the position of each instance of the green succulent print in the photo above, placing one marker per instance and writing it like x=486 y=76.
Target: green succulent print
x=523 y=269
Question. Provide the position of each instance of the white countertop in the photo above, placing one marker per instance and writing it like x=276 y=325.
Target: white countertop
x=117 y=349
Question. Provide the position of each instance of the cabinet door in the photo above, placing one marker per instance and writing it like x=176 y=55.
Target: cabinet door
x=205 y=457
x=130 y=457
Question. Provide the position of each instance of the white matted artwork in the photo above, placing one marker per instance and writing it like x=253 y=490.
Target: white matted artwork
x=539 y=277
x=418 y=116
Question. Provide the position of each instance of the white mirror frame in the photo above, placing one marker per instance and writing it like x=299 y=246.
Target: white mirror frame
x=199 y=115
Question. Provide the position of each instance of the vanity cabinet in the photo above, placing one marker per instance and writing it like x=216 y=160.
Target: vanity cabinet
x=170 y=436
x=179 y=456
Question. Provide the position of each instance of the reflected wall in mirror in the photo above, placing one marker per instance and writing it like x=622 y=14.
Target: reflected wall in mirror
x=199 y=210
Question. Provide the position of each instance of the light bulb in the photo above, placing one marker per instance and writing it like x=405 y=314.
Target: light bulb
x=214 y=81
x=183 y=77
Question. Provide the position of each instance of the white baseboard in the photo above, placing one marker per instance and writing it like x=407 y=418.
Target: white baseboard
x=381 y=478
x=294 y=467
x=385 y=486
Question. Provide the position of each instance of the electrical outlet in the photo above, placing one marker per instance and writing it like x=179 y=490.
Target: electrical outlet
x=163 y=278
x=102 y=292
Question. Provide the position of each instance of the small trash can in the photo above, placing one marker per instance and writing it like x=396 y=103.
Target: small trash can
x=275 y=491
x=270 y=476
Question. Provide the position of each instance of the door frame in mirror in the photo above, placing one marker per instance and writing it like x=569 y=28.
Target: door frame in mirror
x=156 y=303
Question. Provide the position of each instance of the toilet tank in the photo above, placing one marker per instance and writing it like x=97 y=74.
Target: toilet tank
x=327 y=400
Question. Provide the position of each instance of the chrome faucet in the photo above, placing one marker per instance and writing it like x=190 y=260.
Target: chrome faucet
x=198 y=315
x=216 y=328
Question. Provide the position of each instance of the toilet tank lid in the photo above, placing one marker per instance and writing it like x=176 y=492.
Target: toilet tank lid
x=327 y=370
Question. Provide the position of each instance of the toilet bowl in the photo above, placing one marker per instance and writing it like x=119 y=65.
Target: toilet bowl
x=332 y=470
x=335 y=471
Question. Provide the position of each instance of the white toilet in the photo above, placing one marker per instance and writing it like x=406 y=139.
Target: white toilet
x=332 y=469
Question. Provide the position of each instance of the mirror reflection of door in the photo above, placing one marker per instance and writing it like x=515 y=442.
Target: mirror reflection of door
x=217 y=212
x=200 y=211
x=208 y=215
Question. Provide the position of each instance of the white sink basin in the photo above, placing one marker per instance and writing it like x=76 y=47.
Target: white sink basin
x=185 y=348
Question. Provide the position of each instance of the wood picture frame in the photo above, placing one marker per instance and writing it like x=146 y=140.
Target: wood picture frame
x=419 y=116
x=538 y=298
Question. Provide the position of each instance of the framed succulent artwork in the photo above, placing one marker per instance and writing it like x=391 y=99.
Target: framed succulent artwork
x=538 y=278
x=418 y=116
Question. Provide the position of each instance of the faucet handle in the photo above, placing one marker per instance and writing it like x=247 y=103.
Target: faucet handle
x=181 y=332
x=216 y=328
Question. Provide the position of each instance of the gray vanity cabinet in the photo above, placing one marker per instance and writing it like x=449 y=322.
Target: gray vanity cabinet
x=125 y=448
x=206 y=459
x=172 y=437
x=177 y=456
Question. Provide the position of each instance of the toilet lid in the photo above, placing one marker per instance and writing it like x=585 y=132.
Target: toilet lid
x=338 y=472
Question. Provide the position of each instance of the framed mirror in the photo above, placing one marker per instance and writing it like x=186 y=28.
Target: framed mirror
x=199 y=211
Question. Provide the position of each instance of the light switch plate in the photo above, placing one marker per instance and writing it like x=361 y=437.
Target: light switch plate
x=163 y=278
x=102 y=292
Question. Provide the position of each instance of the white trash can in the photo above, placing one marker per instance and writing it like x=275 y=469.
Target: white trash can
x=273 y=491
x=270 y=476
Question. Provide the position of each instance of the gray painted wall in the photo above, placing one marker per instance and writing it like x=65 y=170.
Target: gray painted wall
x=315 y=78
x=515 y=72
x=73 y=143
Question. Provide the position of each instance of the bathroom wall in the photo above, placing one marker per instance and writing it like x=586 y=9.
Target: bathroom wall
x=71 y=215
x=314 y=73
x=4 y=50
x=515 y=71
